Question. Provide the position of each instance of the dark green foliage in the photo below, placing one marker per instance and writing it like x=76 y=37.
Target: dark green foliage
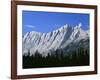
x=80 y=57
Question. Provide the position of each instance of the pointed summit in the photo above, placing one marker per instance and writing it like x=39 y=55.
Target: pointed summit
x=80 y=24
x=63 y=27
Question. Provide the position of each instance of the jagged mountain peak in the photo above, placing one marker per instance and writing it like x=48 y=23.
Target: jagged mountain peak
x=78 y=26
x=64 y=27
x=58 y=39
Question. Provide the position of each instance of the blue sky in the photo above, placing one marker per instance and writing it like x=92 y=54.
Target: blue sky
x=49 y=21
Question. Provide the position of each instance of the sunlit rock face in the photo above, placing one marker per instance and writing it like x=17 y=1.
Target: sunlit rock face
x=66 y=38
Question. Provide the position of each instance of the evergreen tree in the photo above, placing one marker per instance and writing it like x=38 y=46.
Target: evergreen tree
x=57 y=58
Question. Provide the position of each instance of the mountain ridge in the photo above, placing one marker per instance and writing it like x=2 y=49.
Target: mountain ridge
x=61 y=38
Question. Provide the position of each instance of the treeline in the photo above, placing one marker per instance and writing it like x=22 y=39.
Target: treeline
x=58 y=58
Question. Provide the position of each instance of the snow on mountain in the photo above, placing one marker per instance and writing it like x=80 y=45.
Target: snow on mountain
x=66 y=38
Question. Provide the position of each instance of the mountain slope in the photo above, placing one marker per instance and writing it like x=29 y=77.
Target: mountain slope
x=65 y=38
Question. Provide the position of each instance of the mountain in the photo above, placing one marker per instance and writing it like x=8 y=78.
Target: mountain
x=66 y=38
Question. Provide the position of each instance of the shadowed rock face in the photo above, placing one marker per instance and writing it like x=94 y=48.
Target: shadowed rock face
x=66 y=38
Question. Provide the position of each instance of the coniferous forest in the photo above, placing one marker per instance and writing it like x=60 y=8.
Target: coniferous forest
x=80 y=57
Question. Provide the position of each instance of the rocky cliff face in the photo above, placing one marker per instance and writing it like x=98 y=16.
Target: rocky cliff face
x=65 y=38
